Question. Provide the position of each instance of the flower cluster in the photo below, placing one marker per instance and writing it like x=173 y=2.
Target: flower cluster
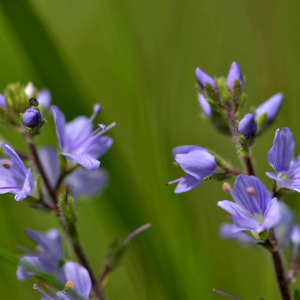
x=258 y=216
x=53 y=179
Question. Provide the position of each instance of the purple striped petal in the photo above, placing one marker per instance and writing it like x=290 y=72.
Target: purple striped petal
x=186 y=184
x=249 y=203
x=72 y=271
x=87 y=162
x=186 y=149
x=242 y=220
x=27 y=187
x=45 y=99
x=197 y=163
x=95 y=147
x=17 y=163
x=29 y=265
x=59 y=120
x=272 y=217
x=87 y=183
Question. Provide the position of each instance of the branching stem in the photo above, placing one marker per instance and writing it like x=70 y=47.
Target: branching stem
x=97 y=292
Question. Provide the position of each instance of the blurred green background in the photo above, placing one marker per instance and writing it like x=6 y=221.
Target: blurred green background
x=137 y=58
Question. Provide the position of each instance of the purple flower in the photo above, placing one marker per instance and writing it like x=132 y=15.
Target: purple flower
x=234 y=73
x=77 y=280
x=295 y=238
x=281 y=159
x=284 y=228
x=44 y=99
x=74 y=272
x=247 y=126
x=204 y=105
x=32 y=117
x=270 y=107
x=14 y=177
x=197 y=162
x=203 y=78
x=85 y=183
x=78 y=142
x=229 y=231
x=253 y=210
x=45 y=259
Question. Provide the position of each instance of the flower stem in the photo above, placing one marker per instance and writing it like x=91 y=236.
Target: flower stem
x=97 y=292
x=245 y=157
x=282 y=281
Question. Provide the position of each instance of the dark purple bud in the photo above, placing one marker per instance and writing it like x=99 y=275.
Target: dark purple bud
x=202 y=78
x=204 y=105
x=271 y=107
x=32 y=117
x=234 y=73
x=97 y=108
x=247 y=126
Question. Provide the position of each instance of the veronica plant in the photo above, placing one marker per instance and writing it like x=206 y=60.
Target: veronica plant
x=259 y=216
x=49 y=179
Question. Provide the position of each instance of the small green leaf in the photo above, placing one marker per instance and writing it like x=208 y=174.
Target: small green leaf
x=210 y=92
x=261 y=122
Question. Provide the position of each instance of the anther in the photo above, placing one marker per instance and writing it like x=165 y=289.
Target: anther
x=251 y=191
x=227 y=188
x=6 y=165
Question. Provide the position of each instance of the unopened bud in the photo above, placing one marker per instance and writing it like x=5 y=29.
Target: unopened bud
x=97 y=108
x=251 y=191
x=29 y=89
x=32 y=118
x=6 y=165
x=227 y=188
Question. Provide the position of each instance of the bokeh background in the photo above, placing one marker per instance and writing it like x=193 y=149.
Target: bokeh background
x=137 y=58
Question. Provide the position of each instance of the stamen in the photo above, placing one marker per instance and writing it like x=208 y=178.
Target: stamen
x=96 y=111
x=97 y=108
x=251 y=191
x=68 y=285
x=224 y=294
x=96 y=133
x=174 y=181
x=6 y=165
x=136 y=232
x=42 y=292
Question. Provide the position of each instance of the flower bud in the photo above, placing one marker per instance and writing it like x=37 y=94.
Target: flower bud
x=247 y=126
x=204 y=105
x=32 y=117
x=203 y=78
x=29 y=89
x=234 y=73
x=227 y=188
x=270 y=107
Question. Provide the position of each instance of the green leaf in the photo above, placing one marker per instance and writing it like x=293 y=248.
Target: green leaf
x=265 y=246
x=9 y=257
